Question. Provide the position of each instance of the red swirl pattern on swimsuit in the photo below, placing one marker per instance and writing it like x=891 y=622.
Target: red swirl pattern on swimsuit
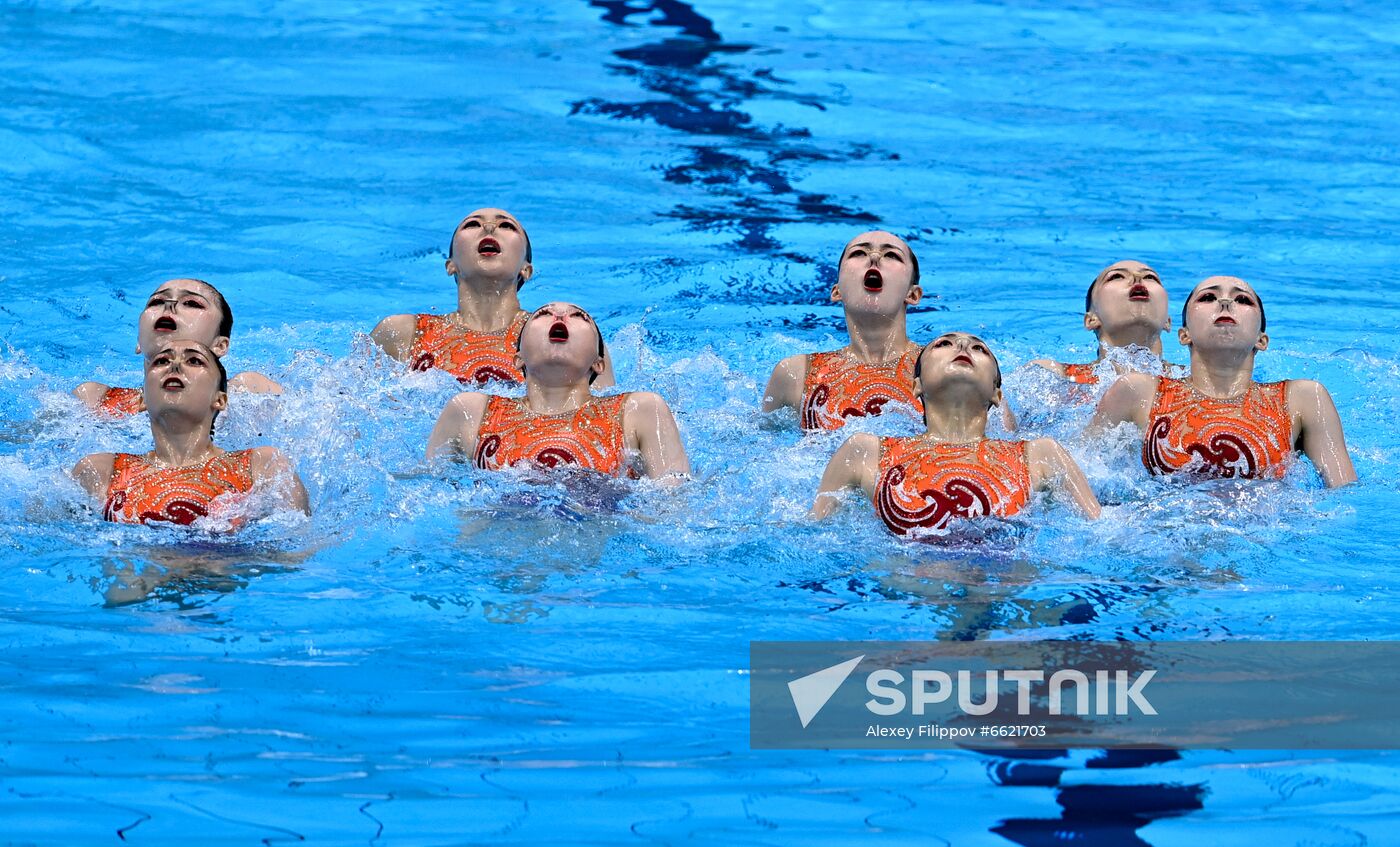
x=926 y=485
x=473 y=357
x=1249 y=437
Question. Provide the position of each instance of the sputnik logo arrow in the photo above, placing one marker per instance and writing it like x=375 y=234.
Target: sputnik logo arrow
x=810 y=692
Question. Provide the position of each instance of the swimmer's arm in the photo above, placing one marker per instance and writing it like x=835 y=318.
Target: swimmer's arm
x=606 y=379
x=394 y=335
x=454 y=434
x=91 y=393
x=1322 y=439
x=1056 y=368
x=272 y=465
x=1129 y=399
x=254 y=383
x=652 y=432
x=785 y=385
x=1055 y=469
x=94 y=473
x=854 y=466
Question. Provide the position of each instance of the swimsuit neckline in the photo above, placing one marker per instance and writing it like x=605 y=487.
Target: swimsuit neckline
x=925 y=440
x=454 y=317
x=155 y=462
x=850 y=356
x=1233 y=400
x=525 y=408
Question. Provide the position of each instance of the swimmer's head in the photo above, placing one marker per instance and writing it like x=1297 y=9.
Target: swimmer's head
x=961 y=358
x=184 y=374
x=1126 y=294
x=491 y=243
x=878 y=274
x=185 y=308
x=564 y=338
x=1223 y=312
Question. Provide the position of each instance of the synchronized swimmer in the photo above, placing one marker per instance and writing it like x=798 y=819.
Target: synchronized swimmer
x=491 y=259
x=179 y=308
x=1211 y=421
x=186 y=476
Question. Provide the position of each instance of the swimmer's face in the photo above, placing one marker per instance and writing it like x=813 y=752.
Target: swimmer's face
x=563 y=338
x=1125 y=294
x=960 y=357
x=490 y=243
x=182 y=308
x=876 y=275
x=1224 y=312
x=183 y=374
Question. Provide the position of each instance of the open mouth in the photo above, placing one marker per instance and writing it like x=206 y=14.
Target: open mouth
x=874 y=281
x=173 y=383
x=558 y=332
x=488 y=247
x=1139 y=293
x=964 y=358
x=1224 y=319
x=165 y=323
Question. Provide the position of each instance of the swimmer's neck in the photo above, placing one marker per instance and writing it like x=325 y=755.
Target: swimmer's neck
x=877 y=338
x=1142 y=336
x=1222 y=373
x=485 y=304
x=180 y=439
x=555 y=398
x=954 y=415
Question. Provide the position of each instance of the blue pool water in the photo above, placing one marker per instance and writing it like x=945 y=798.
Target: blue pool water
x=430 y=661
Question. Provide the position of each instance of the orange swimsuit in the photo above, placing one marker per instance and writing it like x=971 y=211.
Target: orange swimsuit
x=839 y=387
x=928 y=484
x=471 y=356
x=1247 y=438
x=1082 y=374
x=120 y=402
x=590 y=437
x=142 y=492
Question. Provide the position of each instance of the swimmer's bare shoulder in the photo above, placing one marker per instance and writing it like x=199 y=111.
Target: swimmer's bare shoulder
x=457 y=426
x=271 y=466
x=785 y=385
x=1128 y=399
x=394 y=335
x=91 y=393
x=651 y=430
x=1053 y=468
x=1318 y=429
x=94 y=473
x=854 y=465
